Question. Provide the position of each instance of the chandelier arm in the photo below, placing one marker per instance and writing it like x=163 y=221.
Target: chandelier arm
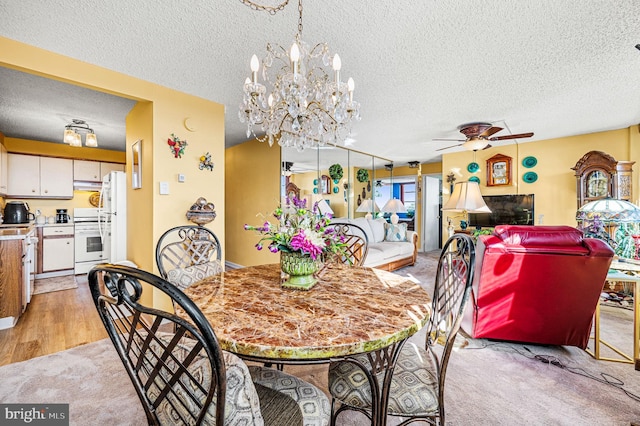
x=271 y=9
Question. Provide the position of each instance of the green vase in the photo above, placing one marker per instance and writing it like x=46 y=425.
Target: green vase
x=300 y=269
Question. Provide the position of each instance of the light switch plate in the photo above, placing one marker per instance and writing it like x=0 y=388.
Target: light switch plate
x=180 y=177
x=164 y=188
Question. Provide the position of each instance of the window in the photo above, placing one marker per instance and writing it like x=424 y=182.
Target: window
x=408 y=196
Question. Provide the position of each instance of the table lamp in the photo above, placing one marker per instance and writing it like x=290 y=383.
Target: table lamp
x=368 y=206
x=394 y=206
x=324 y=208
x=466 y=198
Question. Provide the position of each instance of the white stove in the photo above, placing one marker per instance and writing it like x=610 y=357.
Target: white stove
x=89 y=247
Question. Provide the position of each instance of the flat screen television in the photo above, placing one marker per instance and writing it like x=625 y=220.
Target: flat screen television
x=505 y=210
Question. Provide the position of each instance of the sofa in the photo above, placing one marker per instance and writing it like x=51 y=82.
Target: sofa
x=390 y=246
x=536 y=284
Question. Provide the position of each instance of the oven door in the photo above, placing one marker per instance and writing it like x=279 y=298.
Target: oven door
x=88 y=244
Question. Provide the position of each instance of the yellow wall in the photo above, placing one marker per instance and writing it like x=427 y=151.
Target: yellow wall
x=555 y=189
x=252 y=174
x=169 y=110
x=26 y=146
x=139 y=127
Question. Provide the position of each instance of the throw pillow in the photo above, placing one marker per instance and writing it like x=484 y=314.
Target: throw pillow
x=184 y=277
x=377 y=226
x=395 y=233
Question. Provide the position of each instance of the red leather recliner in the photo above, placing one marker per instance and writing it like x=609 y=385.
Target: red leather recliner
x=537 y=284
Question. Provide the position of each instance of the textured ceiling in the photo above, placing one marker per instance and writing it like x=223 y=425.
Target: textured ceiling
x=421 y=67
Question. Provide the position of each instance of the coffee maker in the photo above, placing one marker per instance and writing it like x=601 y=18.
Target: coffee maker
x=62 y=216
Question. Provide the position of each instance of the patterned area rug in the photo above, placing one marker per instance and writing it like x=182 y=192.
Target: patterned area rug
x=47 y=285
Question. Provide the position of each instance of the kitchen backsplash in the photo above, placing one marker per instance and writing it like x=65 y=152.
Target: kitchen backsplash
x=48 y=207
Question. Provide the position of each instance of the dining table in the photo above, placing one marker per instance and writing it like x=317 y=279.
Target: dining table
x=350 y=310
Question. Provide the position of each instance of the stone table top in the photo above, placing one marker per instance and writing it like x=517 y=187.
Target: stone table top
x=350 y=310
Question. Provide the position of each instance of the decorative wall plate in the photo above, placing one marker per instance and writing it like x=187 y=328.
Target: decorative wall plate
x=315 y=182
x=530 y=177
x=335 y=189
x=474 y=179
x=94 y=199
x=529 y=162
x=315 y=190
x=473 y=167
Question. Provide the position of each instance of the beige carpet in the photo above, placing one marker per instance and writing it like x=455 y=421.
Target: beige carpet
x=47 y=285
x=488 y=383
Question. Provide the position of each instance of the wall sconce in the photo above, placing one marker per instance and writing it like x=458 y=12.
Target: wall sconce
x=414 y=164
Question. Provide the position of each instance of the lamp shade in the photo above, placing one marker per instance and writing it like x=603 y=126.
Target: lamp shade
x=609 y=210
x=394 y=206
x=368 y=206
x=466 y=197
x=475 y=144
x=324 y=208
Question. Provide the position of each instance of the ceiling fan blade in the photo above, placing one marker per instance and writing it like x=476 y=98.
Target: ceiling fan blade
x=449 y=147
x=490 y=131
x=449 y=140
x=517 y=136
x=487 y=147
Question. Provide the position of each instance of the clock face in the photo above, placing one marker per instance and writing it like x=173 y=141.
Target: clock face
x=597 y=184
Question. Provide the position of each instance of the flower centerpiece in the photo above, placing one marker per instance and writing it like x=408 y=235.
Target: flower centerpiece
x=304 y=239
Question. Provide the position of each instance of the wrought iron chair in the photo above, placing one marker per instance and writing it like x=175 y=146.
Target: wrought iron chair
x=186 y=254
x=177 y=367
x=356 y=243
x=415 y=391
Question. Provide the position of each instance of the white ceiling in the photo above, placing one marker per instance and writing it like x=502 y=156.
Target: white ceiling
x=422 y=67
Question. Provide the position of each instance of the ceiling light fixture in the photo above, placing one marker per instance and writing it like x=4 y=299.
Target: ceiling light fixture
x=475 y=143
x=308 y=105
x=73 y=138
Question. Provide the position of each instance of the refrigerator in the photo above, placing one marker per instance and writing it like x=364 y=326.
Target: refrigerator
x=112 y=216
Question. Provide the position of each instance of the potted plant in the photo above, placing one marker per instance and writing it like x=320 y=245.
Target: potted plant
x=336 y=172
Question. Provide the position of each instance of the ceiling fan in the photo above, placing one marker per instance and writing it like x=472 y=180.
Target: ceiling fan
x=479 y=135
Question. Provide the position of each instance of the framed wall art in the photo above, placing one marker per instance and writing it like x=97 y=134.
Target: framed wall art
x=499 y=170
x=326 y=185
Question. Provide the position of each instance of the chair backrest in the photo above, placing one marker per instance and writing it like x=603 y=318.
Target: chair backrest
x=188 y=246
x=454 y=279
x=356 y=243
x=537 y=284
x=177 y=373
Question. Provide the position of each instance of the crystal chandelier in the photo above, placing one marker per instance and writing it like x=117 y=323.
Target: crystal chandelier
x=301 y=104
x=72 y=137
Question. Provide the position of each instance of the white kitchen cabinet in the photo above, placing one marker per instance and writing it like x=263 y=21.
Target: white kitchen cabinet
x=57 y=248
x=86 y=170
x=4 y=170
x=31 y=176
x=93 y=171
x=106 y=168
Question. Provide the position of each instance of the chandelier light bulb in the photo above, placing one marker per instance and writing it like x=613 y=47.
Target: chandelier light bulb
x=337 y=63
x=270 y=100
x=255 y=66
x=295 y=53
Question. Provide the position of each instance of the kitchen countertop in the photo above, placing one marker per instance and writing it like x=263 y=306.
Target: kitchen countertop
x=13 y=232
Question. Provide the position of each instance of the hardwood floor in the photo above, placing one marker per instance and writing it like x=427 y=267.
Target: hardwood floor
x=53 y=322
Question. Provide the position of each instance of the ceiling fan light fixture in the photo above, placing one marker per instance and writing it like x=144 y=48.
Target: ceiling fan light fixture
x=475 y=144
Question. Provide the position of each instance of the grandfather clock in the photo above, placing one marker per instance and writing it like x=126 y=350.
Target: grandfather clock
x=596 y=177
